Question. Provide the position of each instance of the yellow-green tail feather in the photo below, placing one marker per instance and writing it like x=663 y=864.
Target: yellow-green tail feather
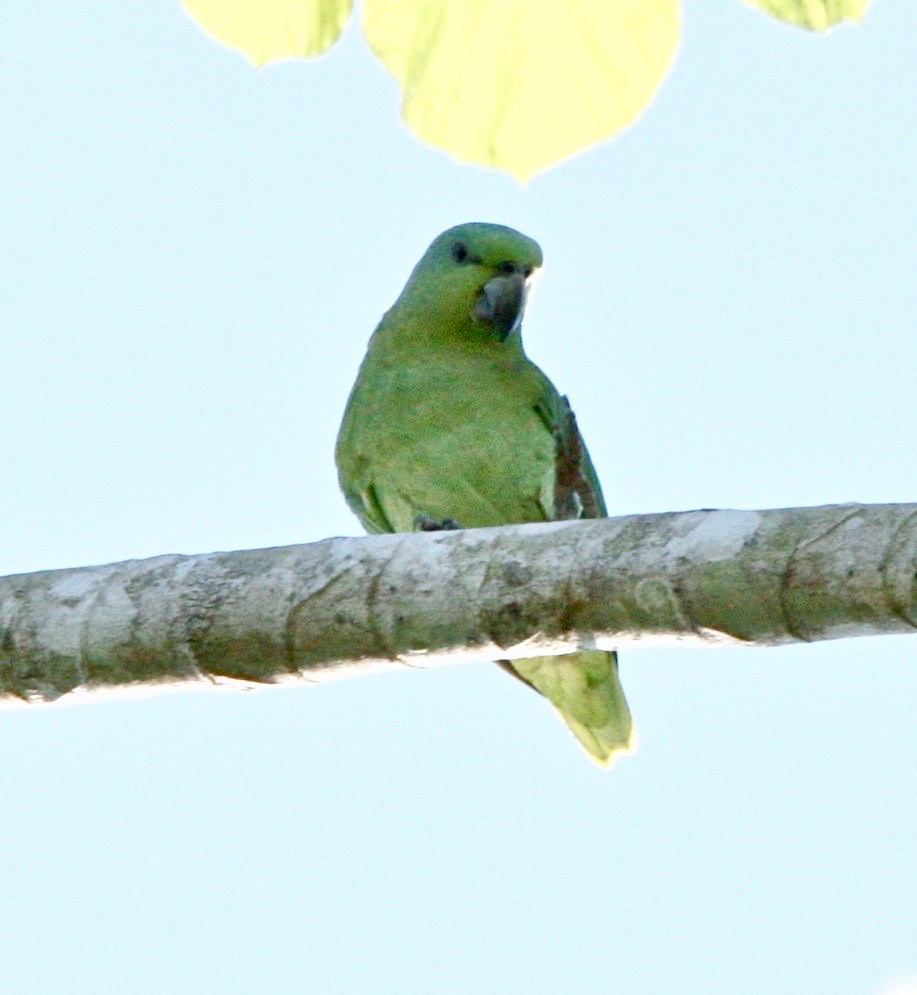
x=585 y=689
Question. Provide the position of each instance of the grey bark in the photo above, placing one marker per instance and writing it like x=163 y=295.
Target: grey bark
x=310 y=612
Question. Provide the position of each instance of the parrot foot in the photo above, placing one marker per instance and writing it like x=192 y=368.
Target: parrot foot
x=423 y=523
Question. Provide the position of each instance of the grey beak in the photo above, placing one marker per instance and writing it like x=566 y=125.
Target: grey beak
x=502 y=302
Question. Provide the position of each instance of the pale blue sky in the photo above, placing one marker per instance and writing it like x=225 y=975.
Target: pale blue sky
x=194 y=256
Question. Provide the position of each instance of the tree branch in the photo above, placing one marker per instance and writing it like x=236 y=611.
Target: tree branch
x=306 y=613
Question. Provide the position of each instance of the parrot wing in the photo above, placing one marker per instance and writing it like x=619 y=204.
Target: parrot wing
x=577 y=492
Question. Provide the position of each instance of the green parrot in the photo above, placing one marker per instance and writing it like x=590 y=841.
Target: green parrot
x=450 y=425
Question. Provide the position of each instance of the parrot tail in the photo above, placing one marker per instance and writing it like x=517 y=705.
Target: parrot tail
x=585 y=690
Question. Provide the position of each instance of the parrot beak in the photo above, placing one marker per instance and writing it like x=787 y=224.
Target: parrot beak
x=501 y=302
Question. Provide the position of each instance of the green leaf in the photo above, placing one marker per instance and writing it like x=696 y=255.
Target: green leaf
x=819 y=15
x=522 y=84
x=268 y=30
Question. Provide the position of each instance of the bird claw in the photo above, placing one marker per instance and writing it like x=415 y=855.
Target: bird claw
x=423 y=523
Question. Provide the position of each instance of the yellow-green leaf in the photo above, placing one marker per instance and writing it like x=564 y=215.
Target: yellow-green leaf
x=522 y=84
x=819 y=15
x=268 y=30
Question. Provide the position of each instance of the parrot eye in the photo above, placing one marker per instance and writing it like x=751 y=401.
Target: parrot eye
x=459 y=252
x=507 y=267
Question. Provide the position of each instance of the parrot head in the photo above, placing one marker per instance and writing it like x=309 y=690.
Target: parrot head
x=474 y=279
